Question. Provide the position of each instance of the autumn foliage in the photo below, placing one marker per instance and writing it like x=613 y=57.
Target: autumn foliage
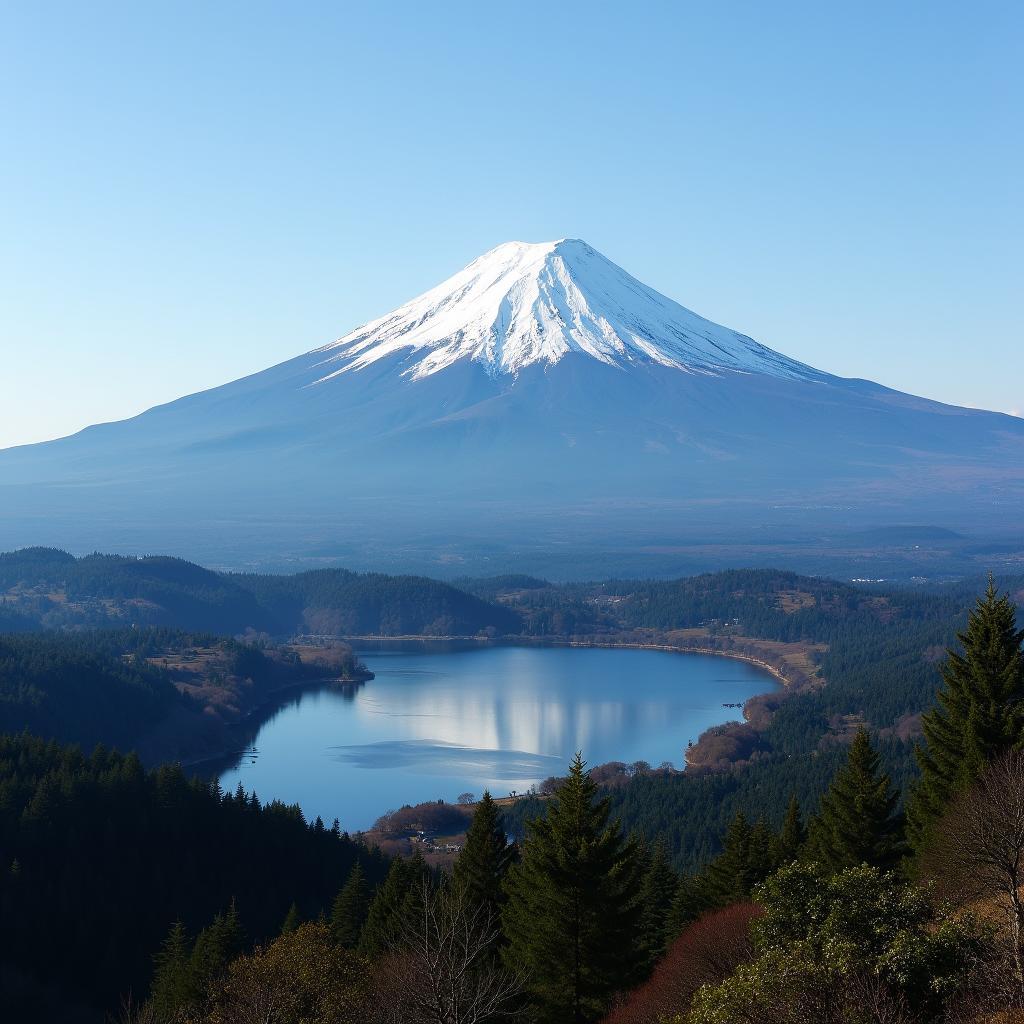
x=706 y=952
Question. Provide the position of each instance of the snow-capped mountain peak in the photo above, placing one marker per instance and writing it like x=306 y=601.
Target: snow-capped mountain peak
x=523 y=303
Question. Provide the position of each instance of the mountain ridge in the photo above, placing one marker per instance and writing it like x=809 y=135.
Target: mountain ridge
x=570 y=452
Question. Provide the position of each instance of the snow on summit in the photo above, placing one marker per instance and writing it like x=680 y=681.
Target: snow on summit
x=524 y=303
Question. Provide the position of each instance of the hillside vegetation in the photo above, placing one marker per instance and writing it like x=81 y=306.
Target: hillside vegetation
x=45 y=588
x=166 y=694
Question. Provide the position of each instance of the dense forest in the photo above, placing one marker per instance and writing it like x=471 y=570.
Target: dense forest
x=199 y=904
x=872 y=656
x=196 y=907
x=99 y=857
x=164 y=693
x=47 y=588
x=858 y=913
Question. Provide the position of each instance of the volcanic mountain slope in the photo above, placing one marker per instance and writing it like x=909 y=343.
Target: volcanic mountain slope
x=541 y=396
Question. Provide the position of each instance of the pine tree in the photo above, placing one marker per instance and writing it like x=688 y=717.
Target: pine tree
x=351 y=906
x=396 y=900
x=980 y=712
x=217 y=945
x=688 y=903
x=730 y=877
x=234 y=934
x=856 y=824
x=485 y=858
x=658 y=893
x=793 y=835
x=573 y=912
x=292 y=920
x=761 y=858
x=174 y=986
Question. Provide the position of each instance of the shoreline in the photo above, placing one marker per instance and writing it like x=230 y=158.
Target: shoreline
x=791 y=679
x=595 y=644
x=270 y=698
x=219 y=758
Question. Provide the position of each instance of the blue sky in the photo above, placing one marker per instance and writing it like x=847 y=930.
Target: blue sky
x=192 y=192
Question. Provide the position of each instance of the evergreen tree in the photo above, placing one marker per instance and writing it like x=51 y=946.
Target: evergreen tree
x=658 y=894
x=792 y=836
x=217 y=945
x=396 y=900
x=761 y=858
x=980 y=712
x=233 y=936
x=351 y=905
x=174 y=982
x=573 y=912
x=856 y=824
x=730 y=877
x=485 y=858
x=292 y=920
x=377 y=933
x=688 y=903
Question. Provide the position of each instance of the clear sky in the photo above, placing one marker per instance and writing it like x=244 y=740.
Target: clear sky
x=192 y=192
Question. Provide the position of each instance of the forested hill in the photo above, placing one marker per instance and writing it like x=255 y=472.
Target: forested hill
x=44 y=588
x=768 y=603
x=339 y=602
x=82 y=689
x=99 y=857
x=166 y=694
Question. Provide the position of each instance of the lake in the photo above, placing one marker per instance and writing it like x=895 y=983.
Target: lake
x=435 y=724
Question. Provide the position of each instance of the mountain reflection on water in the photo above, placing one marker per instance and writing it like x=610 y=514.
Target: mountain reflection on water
x=432 y=725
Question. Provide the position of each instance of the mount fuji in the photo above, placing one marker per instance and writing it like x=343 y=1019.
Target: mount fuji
x=541 y=400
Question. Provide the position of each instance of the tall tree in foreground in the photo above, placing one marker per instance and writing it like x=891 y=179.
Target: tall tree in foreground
x=857 y=822
x=174 y=984
x=743 y=862
x=484 y=860
x=350 y=909
x=573 y=913
x=292 y=920
x=976 y=853
x=217 y=945
x=443 y=970
x=392 y=904
x=658 y=893
x=792 y=836
x=980 y=712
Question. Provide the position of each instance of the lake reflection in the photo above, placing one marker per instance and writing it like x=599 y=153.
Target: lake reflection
x=433 y=725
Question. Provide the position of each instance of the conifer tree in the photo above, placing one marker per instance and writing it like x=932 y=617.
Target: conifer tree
x=980 y=711
x=378 y=929
x=394 y=901
x=292 y=920
x=217 y=945
x=485 y=858
x=351 y=906
x=688 y=903
x=658 y=893
x=730 y=877
x=856 y=824
x=761 y=858
x=234 y=934
x=573 y=913
x=792 y=836
x=174 y=986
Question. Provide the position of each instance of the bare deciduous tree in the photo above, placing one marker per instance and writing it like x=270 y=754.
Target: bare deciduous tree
x=444 y=969
x=978 y=852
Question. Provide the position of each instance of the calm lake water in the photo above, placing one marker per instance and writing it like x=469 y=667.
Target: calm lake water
x=434 y=725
